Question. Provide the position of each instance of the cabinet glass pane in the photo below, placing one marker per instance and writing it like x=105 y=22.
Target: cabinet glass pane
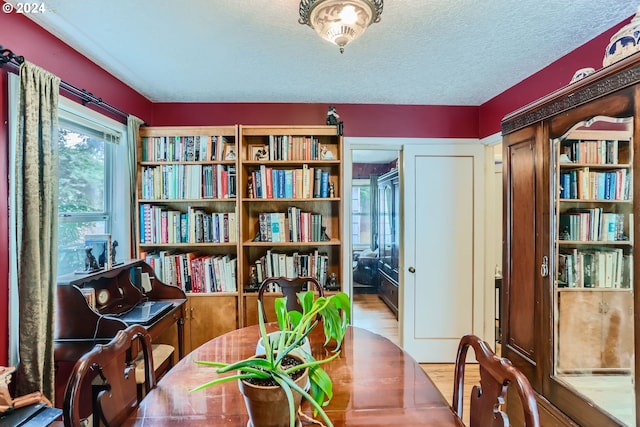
x=385 y=218
x=593 y=265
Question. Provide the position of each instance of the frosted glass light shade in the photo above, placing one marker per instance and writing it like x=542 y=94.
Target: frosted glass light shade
x=340 y=21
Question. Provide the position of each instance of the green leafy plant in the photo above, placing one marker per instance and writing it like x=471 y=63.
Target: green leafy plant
x=333 y=310
x=335 y=313
x=270 y=366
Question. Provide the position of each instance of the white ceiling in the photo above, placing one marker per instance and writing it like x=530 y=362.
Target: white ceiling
x=432 y=52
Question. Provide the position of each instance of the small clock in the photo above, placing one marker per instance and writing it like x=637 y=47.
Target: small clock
x=103 y=296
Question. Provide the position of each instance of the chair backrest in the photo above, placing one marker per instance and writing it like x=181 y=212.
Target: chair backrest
x=496 y=375
x=290 y=287
x=112 y=369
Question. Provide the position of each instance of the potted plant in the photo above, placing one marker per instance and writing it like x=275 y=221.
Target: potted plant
x=276 y=367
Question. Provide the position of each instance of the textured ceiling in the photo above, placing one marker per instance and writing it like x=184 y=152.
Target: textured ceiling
x=438 y=52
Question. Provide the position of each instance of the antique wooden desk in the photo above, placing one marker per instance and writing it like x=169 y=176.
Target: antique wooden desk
x=375 y=383
x=79 y=327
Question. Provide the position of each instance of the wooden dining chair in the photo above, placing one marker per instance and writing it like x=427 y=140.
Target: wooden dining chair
x=108 y=370
x=290 y=287
x=488 y=397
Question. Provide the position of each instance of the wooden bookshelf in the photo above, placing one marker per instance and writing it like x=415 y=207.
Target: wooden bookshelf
x=289 y=148
x=168 y=194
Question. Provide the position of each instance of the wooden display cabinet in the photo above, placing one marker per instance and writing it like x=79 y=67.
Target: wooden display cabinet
x=388 y=238
x=568 y=322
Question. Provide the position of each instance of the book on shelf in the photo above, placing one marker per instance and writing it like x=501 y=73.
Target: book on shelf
x=294 y=264
x=195 y=273
x=293 y=147
x=602 y=152
x=190 y=181
x=303 y=183
x=186 y=148
x=593 y=268
x=158 y=224
x=324 y=184
x=293 y=225
x=586 y=184
x=593 y=224
x=317 y=179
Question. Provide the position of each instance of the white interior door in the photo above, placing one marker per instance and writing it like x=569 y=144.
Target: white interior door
x=442 y=269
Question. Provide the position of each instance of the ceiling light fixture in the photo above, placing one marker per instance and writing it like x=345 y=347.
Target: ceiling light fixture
x=340 y=21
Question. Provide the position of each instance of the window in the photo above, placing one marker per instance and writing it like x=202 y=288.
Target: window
x=90 y=148
x=361 y=215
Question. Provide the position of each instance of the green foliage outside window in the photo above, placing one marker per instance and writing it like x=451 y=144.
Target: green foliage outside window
x=81 y=192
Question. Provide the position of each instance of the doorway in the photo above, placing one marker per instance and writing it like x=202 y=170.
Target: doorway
x=375 y=240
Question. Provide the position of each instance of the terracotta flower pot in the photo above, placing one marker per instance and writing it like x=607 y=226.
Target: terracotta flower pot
x=268 y=406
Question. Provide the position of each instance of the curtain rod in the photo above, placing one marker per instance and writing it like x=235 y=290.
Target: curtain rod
x=10 y=58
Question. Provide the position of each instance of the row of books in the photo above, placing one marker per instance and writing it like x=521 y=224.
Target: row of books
x=594 y=224
x=159 y=224
x=602 y=268
x=185 y=148
x=303 y=183
x=188 y=182
x=599 y=152
x=291 y=226
x=287 y=147
x=291 y=265
x=194 y=273
x=595 y=185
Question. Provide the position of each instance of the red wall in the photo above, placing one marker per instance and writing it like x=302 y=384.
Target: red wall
x=359 y=119
x=38 y=46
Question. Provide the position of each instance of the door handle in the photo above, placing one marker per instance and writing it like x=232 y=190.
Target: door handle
x=544 y=268
x=412 y=270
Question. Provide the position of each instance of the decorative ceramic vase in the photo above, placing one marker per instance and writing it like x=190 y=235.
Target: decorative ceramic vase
x=268 y=406
x=624 y=43
x=581 y=74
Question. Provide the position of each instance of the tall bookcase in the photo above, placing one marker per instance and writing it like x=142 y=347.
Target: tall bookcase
x=187 y=220
x=290 y=182
x=193 y=181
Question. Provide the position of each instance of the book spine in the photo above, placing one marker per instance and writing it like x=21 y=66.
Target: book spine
x=281 y=184
x=324 y=184
x=317 y=179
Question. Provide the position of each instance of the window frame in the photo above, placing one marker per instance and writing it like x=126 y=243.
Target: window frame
x=116 y=207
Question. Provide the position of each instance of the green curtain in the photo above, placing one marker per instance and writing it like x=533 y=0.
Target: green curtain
x=37 y=226
x=133 y=133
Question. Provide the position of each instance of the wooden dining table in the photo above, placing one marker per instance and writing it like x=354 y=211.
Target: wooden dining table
x=375 y=383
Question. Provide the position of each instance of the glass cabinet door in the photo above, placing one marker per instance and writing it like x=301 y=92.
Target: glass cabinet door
x=385 y=217
x=593 y=281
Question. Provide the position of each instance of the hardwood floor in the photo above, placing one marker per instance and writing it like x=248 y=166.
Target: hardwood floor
x=369 y=312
